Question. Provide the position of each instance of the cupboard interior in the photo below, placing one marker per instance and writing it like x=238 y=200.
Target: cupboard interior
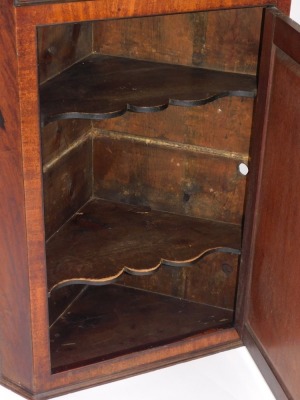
x=144 y=210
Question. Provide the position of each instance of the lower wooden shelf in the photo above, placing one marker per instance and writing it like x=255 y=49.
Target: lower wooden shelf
x=105 y=239
x=126 y=278
x=110 y=321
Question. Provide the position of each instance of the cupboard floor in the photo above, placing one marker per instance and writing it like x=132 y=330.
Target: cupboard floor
x=114 y=320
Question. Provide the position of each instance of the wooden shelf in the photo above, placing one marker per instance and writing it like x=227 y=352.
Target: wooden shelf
x=104 y=239
x=101 y=87
x=111 y=321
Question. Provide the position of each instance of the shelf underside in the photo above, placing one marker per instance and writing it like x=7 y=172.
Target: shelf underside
x=101 y=87
x=105 y=239
x=106 y=322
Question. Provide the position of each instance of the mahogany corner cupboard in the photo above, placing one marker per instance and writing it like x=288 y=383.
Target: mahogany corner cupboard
x=132 y=235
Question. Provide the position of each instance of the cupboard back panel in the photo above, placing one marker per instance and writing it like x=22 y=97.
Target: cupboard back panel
x=222 y=40
x=177 y=180
x=223 y=125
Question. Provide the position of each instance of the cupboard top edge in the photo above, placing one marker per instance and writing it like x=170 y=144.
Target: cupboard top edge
x=144 y=7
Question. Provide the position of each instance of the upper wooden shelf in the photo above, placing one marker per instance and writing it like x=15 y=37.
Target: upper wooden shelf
x=101 y=87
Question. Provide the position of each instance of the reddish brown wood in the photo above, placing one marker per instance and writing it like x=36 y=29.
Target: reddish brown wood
x=190 y=4
x=25 y=353
x=16 y=338
x=273 y=317
x=256 y=157
x=284 y=6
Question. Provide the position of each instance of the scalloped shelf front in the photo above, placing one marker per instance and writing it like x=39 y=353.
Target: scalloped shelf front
x=101 y=87
x=104 y=240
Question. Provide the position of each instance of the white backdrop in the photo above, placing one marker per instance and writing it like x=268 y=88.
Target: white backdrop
x=295 y=10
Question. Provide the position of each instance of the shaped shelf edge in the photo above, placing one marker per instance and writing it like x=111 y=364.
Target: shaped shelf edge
x=102 y=87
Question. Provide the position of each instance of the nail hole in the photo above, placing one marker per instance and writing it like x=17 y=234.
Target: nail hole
x=186 y=197
x=227 y=269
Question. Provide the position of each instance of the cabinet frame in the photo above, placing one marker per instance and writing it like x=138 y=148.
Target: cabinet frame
x=25 y=354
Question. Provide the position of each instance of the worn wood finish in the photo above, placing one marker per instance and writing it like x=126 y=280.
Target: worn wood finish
x=60 y=46
x=273 y=318
x=212 y=280
x=222 y=125
x=220 y=40
x=168 y=177
x=105 y=237
x=67 y=186
x=60 y=136
x=127 y=320
x=109 y=86
x=61 y=300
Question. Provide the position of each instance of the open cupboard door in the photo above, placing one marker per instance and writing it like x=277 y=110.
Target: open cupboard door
x=271 y=292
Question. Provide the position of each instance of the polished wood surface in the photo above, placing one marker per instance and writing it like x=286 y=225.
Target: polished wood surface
x=273 y=318
x=16 y=339
x=284 y=5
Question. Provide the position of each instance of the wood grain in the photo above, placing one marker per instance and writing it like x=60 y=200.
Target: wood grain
x=67 y=186
x=212 y=280
x=273 y=319
x=175 y=179
x=60 y=46
x=127 y=320
x=284 y=5
x=25 y=359
x=220 y=40
x=105 y=237
x=101 y=87
x=59 y=136
x=222 y=125
x=276 y=329
x=16 y=334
